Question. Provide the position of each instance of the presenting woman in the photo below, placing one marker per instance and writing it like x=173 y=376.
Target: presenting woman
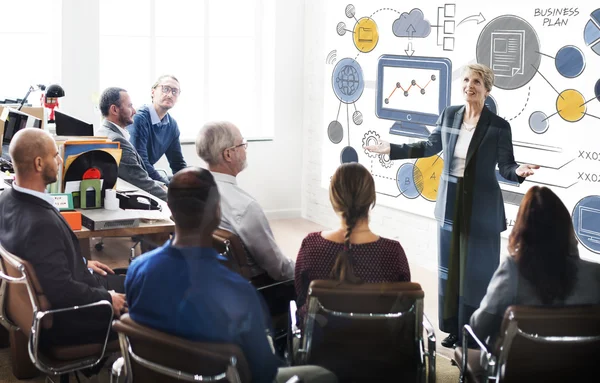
x=469 y=204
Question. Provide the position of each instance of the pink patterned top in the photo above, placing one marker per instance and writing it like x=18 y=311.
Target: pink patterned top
x=375 y=262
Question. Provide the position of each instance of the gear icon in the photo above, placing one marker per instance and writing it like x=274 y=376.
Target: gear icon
x=384 y=160
x=371 y=138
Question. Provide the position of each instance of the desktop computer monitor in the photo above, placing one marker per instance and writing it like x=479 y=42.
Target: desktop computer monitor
x=17 y=120
x=412 y=91
x=67 y=125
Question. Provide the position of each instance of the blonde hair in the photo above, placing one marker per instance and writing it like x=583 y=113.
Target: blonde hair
x=484 y=71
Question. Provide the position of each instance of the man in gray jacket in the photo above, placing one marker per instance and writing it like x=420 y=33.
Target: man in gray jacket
x=117 y=110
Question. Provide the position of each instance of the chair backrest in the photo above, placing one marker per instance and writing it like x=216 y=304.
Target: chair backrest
x=548 y=343
x=367 y=332
x=23 y=293
x=232 y=248
x=167 y=352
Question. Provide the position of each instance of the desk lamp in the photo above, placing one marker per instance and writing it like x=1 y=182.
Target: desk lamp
x=50 y=99
x=31 y=89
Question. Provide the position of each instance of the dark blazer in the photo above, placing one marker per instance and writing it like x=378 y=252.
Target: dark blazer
x=491 y=144
x=508 y=287
x=131 y=166
x=35 y=231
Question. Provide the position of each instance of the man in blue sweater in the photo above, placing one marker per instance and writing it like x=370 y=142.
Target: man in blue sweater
x=154 y=131
x=183 y=289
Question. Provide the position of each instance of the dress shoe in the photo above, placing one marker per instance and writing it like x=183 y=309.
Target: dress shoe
x=450 y=341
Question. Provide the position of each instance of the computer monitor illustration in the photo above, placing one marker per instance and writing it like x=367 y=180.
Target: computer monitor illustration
x=412 y=91
x=589 y=223
x=67 y=125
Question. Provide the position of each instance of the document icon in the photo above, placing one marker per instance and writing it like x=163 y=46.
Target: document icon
x=507 y=53
x=365 y=34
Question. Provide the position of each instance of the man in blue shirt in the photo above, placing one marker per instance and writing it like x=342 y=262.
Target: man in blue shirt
x=182 y=288
x=154 y=131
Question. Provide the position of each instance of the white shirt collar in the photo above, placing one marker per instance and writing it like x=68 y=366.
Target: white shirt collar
x=124 y=131
x=224 y=178
x=43 y=196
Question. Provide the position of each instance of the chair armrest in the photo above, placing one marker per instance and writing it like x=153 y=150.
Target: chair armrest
x=275 y=284
x=468 y=332
x=295 y=331
x=117 y=370
x=35 y=337
x=431 y=351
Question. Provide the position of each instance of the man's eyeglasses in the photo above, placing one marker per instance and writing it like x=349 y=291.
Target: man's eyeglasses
x=244 y=144
x=167 y=89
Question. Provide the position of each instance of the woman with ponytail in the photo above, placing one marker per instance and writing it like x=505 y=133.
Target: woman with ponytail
x=351 y=253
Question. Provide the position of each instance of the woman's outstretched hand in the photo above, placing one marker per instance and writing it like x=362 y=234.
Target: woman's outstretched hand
x=383 y=147
x=526 y=170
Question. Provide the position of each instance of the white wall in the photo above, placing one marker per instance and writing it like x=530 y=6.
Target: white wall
x=416 y=233
x=273 y=175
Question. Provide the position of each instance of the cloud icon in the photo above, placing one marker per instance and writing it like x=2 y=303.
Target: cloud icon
x=411 y=24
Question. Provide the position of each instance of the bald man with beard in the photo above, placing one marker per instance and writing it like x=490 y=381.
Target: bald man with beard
x=32 y=228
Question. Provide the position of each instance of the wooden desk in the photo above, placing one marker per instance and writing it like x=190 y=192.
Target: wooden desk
x=155 y=230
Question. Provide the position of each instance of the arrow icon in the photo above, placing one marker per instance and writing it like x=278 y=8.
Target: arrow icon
x=411 y=31
x=409 y=49
x=479 y=18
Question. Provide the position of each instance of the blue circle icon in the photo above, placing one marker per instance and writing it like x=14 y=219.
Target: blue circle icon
x=406 y=181
x=491 y=104
x=586 y=222
x=347 y=80
x=570 y=61
x=348 y=155
x=597 y=90
x=538 y=122
x=591 y=32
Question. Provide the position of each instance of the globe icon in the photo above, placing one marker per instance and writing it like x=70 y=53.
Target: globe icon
x=347 y=80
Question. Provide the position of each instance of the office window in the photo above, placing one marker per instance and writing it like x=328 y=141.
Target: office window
x=30 y=36
x=222 y=52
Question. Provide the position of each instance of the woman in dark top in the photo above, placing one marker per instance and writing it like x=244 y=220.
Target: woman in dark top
x=543 y=269
x=352 y=253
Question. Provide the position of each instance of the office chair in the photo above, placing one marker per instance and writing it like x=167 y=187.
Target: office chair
x=365 y=332
x=149 y=355
x=26 y=312
x=536 y=344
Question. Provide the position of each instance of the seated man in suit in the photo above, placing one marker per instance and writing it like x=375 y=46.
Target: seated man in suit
x=183 y=289
x=221 y=146
x=117 y=110
x=32 y=228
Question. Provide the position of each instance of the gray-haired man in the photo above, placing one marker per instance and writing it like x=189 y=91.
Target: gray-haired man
x=221 y=146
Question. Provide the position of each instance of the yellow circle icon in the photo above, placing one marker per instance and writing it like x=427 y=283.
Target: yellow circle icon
x=570 y=105
x=426 y=174
x=365 y=35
